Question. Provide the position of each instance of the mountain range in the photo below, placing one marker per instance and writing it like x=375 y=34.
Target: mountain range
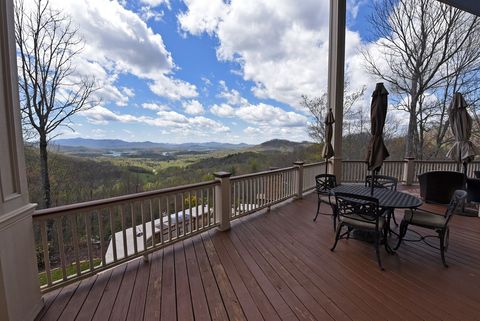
x=117 y=144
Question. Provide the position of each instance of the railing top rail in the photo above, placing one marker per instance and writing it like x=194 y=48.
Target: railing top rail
x=236 y=178
x=362 y=161
x=442 y=161
x=120 y=199
x=314 y=164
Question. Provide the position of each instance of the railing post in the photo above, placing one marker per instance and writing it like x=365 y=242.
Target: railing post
x=223 y=199
x=409 y=170
x=299 y=183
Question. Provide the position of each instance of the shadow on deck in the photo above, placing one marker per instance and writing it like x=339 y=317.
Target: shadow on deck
x=278 y=266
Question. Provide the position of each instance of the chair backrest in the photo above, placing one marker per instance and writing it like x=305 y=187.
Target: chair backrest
x=458 y=198
x=381 y=181
x=325 y=182
x=357 y=207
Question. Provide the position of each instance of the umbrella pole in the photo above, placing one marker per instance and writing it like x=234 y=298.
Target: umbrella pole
x=465 y=169
x=326 y=166
x=372 y=182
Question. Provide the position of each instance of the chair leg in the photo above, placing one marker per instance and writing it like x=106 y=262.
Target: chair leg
x=377 y=250
x=348 y=233
x=385 y=240
x=394 y=219
x=402 y=232
x=441 y=235
x=337 y=234
x=334 y=217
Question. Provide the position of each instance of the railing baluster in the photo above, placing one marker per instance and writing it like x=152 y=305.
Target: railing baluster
x=144 y=228
x=73 y=222
x=113 y=234
x=124 y=232
x=101 y=235
x=183 y=214
x=61 y=246
x=203 y=209
x=152 y=220
x=46 y=252
x=190 y=209
x=134 y=227
x=160 y=218
x=88 y=232
x=177 y=224
x=169 y=219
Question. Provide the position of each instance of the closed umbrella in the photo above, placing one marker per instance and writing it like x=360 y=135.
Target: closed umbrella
x=463 y=150
x=327 y=147
x=377 y=152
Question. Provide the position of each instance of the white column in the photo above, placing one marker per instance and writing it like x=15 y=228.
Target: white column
x=336 y=67
x=20 y=298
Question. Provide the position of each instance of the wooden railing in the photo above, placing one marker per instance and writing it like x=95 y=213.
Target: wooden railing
x=79 y=240
x=309 y=173
x=253 y=192
x=355 y=171
x=427 y=166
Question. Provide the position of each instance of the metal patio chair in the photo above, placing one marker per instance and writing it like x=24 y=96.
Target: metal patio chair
x=432 y=221
x=357 y=212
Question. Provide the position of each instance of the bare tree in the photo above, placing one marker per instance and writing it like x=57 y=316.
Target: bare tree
x=318 y=107
x=50 y=89
x=417 y=42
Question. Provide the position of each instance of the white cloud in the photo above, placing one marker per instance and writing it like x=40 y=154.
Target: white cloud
x=173 y=89
x=279 y=45
x=202 y=15
x=148 y=13
x=193 y=107
x=169 y=121
x=223 y=110
x=232 y=96
x=155 y=3
x=155 y=106
x=118 y=41
x=261 y=114
x=258 y=114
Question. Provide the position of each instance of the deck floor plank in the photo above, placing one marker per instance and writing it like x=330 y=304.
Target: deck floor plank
x=214 y=299
x=278 y=265
x=107 y=303
x=183 y=296
x=94 y=296
x=169 y=302
x=199 y=300
x=154 y=289
x=139 y=295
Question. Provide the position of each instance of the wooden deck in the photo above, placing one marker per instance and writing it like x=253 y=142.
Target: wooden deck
x=278 y=266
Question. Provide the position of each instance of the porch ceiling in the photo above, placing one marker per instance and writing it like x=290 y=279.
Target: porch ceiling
x=472 y=6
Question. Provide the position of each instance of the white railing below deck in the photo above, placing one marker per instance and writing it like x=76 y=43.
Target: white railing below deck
x=253 y=192
x=309 y=173
x=356 y=170
x=76 y=241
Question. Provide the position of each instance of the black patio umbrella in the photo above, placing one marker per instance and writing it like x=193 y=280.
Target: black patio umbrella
x=377 y=152
x=463 y=150
x=327 y=147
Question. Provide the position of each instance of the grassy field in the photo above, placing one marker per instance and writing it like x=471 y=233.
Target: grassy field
x=71 y=270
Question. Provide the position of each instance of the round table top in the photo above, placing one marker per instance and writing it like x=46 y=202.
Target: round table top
x=386 y=197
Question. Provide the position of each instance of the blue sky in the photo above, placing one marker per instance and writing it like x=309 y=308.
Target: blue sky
x=205 y=70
